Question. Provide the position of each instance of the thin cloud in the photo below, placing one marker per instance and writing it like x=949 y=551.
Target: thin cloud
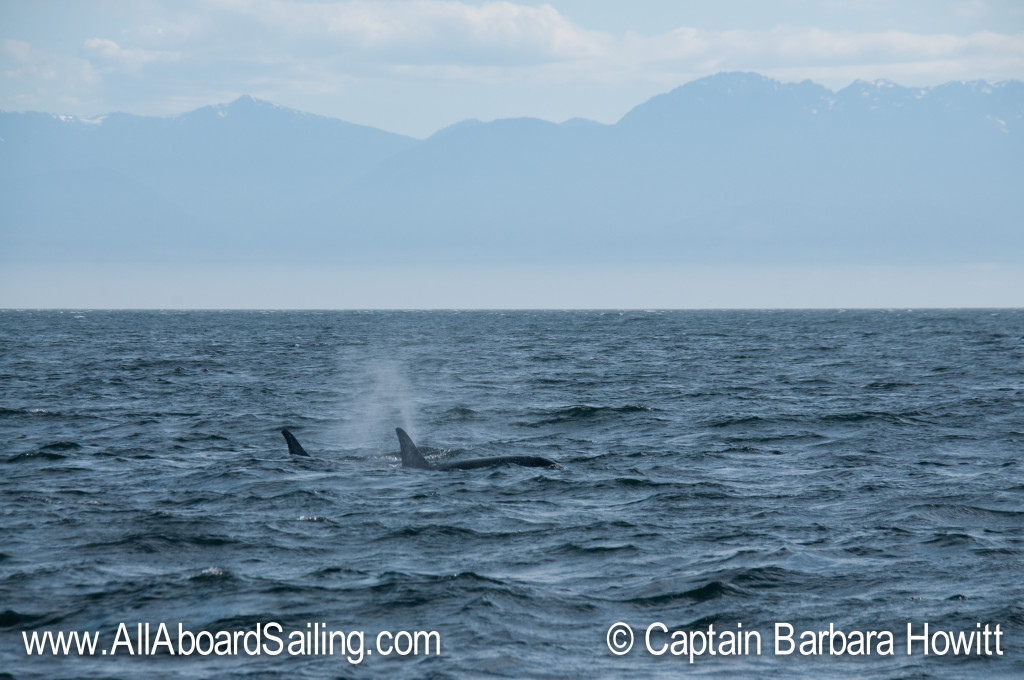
x=361 y=37
x=425 y=30
x=103 y=51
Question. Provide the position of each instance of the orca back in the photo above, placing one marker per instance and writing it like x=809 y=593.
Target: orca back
x=475 y=463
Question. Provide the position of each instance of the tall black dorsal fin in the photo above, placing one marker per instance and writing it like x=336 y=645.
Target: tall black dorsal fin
x=411 y=456
x=294 y=447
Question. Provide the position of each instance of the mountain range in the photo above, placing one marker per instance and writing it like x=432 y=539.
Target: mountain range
x=734 y=168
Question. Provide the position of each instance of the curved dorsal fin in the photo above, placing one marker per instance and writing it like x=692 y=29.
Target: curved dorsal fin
x=294 y=447
x=411 y=456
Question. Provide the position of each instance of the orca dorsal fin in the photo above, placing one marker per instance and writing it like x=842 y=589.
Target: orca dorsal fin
x=411 y=456
x=294 y=447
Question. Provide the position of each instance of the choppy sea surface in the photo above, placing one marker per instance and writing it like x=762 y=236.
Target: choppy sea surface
x=721 y=469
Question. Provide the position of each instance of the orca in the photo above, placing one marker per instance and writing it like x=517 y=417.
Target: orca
x=295 y=448
x=412 y=457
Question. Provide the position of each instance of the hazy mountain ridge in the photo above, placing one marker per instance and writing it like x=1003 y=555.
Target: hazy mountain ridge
x=734 y=167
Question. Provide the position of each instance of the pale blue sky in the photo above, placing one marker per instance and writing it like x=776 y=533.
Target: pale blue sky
x=415 y=66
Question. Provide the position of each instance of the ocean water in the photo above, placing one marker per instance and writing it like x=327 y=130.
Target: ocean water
x=723 y=470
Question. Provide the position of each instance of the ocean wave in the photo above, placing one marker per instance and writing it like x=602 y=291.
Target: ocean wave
x=583 y=412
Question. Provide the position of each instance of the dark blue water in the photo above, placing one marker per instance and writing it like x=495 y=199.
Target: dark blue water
x=857 y=468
